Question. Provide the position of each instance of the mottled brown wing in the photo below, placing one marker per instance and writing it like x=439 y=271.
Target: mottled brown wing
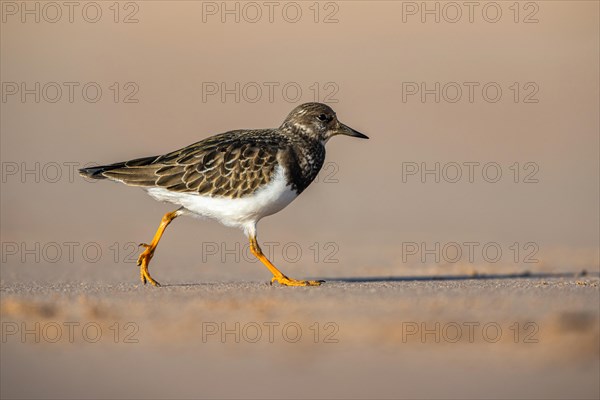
x=233 y=164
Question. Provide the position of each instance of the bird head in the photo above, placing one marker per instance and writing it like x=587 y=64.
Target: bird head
x=317 y=121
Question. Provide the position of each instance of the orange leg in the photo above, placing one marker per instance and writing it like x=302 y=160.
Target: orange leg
x=277 y=275
x=144 y=258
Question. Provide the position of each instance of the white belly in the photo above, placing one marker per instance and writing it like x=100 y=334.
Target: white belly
x=242 y=212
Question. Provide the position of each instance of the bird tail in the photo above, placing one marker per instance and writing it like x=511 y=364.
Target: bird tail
x=97 y=172
x=138 y=172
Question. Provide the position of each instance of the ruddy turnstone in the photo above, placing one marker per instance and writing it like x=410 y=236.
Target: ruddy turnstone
x=236 y=177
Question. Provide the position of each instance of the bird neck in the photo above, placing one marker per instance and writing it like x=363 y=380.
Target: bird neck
x=308 y=158
x=301 y=131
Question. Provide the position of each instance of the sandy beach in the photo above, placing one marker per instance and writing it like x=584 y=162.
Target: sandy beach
x=527 y=337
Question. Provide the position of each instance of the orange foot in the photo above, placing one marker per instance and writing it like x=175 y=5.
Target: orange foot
x=285 y=281
x=143 y=262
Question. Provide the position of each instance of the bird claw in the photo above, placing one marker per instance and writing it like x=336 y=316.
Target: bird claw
x=143 y=262
x=285 y=281
x=145 y=278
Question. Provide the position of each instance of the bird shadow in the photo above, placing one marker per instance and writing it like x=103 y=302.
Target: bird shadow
x=429 y=278
x=426 y=278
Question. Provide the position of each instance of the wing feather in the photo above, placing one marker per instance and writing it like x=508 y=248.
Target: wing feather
x=233 y=164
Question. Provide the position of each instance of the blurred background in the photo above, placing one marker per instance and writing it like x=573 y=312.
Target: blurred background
x=483 y=119
x=105 y=92
x=463 y=100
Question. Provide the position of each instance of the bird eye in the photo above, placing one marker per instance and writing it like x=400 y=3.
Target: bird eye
x=322 y=117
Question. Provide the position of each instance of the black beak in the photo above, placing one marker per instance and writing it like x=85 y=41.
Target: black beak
x=346 y=130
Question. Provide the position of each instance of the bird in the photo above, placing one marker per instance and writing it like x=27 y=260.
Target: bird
x=237 y=177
